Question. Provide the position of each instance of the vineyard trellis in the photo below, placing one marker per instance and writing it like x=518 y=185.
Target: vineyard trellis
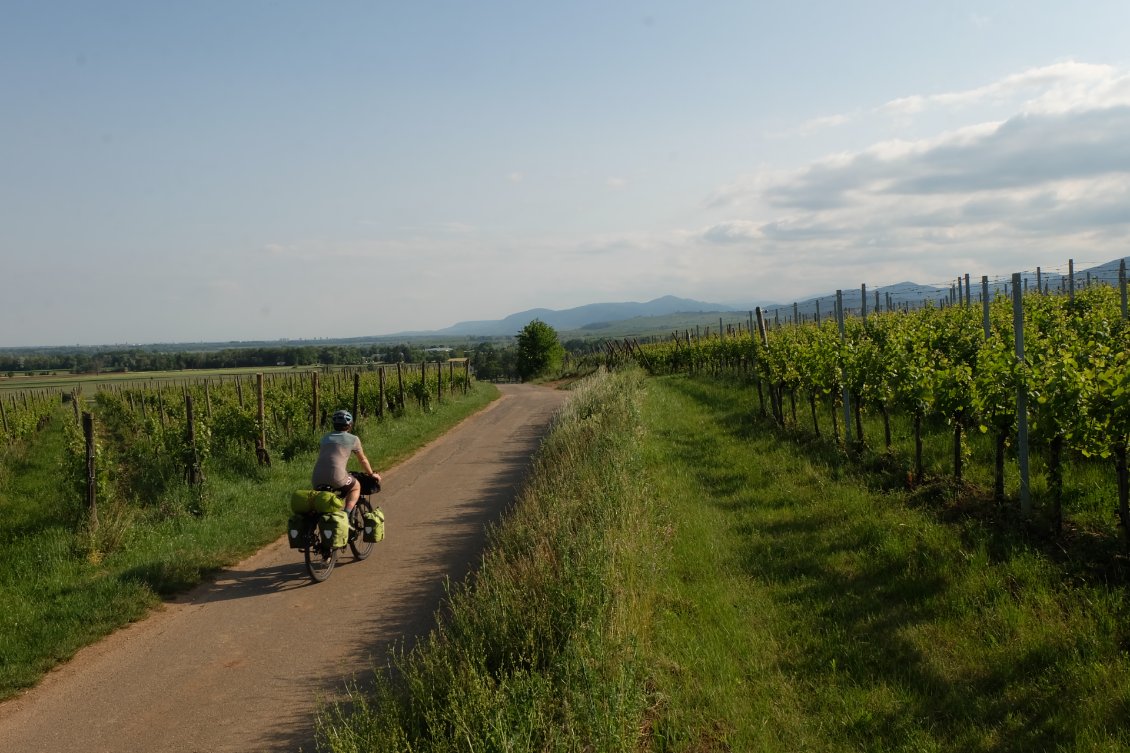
x=1027 y=368
x=145 y=437
x=23 y=413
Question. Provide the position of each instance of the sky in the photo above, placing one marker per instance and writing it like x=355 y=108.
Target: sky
x=268 y=169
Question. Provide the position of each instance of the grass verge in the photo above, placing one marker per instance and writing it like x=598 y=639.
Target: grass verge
x=680 y=577
x=62 y=587
x=802 y=610
x=539 y=651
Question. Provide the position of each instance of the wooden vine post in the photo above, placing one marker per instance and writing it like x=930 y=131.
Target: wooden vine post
x=314 y=401
x=381 y=392
x=261 y=442
x=764 y=338
x=356 y=396
x=91 y=478
x=985 y=305
x=400 y=385
x=192 y=472
x=1021 y=397
x=1122 y=284
x=843 y=338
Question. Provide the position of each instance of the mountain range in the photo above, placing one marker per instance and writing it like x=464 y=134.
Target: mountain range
x=582 y=316
x=594 y=316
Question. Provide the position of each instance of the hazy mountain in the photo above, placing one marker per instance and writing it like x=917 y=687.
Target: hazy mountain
x=583 y=316
x=597 y=315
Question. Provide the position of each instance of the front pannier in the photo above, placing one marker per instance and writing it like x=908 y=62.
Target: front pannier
x=374 y=525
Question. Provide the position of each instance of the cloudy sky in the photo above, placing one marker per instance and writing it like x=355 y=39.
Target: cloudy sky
x=220 y=170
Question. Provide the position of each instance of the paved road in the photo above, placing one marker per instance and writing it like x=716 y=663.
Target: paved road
x=238 y=664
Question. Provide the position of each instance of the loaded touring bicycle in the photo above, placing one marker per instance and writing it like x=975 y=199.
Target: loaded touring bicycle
x=320 y=527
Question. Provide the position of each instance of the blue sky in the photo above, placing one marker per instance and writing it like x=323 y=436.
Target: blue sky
x=261 y=170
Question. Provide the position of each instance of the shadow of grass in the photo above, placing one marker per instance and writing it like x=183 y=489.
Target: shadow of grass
x=862 y=592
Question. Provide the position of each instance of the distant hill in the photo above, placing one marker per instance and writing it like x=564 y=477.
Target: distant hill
x=598 y=320
x=591 y=316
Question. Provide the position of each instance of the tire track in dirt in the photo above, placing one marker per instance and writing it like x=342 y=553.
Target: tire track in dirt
x=240 y=663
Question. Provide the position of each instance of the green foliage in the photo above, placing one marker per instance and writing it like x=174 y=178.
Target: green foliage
x=540 y=654
x=25 y=412
x=491 y=362
x=800 y=610
x=65 y=582
x=937 y=363
x=539 y=351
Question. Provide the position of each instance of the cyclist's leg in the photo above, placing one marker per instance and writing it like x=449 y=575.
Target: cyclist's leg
x=352 y=494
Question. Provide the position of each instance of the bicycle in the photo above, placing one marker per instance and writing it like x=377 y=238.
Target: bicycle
x=315 y=539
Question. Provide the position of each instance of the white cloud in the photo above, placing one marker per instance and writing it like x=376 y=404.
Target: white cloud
x=824 y=122
x=1056 y=88
x=1052 y=179
x=733 y=231
x=616 y=184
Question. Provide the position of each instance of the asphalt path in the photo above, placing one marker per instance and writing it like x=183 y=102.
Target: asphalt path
x=240 y=664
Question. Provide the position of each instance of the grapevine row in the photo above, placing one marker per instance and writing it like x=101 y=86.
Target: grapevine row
x=943 y=363
x=147 y=446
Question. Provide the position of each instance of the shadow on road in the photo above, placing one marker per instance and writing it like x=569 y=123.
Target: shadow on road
x=404 y=616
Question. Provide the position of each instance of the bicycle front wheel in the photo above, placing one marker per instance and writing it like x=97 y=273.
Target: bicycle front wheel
x=361 y=548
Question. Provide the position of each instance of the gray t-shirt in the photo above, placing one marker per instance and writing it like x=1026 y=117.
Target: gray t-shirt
x=336 y=447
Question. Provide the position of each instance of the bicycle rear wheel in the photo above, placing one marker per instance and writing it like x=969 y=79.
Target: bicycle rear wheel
x=320 y=558
x=361 y=548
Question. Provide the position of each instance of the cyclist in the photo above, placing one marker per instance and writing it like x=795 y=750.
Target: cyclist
x=333 y=455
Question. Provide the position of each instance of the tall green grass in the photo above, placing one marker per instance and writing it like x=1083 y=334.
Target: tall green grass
x=64 y=585
x=540 y=652
x=805 y=608
x=680 y=576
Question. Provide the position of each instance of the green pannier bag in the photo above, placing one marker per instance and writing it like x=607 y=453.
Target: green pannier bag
x=333 y=528
x=296 y=529
x=374 y=525
x=309 y=500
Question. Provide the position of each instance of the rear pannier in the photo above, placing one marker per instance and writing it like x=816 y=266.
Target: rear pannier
x=296 y=530
x=333 y=529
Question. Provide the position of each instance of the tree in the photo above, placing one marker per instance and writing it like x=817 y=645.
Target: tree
x=539 y=350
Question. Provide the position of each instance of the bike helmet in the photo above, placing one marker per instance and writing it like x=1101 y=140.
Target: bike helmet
x=342 y=419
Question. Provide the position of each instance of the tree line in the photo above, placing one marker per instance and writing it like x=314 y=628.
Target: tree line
x=534 y=350
x=142 y=359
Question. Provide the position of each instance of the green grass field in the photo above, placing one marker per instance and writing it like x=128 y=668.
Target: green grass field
x=803 y=608
x=66 y=381
x=679 y=576
x=63 y=586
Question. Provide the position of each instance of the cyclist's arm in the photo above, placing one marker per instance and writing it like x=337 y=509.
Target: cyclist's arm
x=365 y=461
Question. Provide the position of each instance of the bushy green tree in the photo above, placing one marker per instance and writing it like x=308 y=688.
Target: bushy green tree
x=539 y=350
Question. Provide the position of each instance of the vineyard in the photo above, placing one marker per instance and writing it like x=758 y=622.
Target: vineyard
x=1032 y=372
x=148 y=442
x=21 y=414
